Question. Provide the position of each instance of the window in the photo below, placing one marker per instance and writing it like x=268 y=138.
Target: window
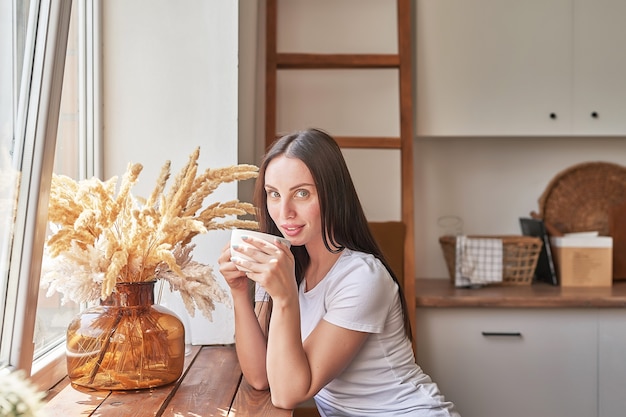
x=49 y=332
x=43 y=127
x=10 y=76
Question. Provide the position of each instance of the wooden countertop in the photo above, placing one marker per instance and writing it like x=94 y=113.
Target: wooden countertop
x=442 y=293
x=211 y=385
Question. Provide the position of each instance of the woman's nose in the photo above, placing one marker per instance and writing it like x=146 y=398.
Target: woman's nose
x=288 y=209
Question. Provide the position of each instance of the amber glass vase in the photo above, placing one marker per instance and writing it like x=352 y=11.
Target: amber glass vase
x=126 y=342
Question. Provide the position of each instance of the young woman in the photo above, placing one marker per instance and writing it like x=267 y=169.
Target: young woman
x=339 y=329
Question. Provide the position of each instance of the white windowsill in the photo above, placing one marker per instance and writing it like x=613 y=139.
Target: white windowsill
x=51 y=368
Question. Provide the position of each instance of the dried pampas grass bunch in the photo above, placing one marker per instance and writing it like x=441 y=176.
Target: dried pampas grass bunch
x=101 y=238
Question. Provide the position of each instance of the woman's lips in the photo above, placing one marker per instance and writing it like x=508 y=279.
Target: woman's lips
x=291 y=230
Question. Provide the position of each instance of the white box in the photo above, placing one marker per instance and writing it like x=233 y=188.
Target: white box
x=584 y=261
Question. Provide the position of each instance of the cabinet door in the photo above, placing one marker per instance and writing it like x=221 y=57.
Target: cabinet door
x=599 y=67
x=510 y=362
x=493 y=67
x=612 y=363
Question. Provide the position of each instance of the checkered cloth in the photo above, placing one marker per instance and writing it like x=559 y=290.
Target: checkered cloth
x=478 y=261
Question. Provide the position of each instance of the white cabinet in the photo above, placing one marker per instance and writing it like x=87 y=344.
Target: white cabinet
x=513 y=362
x=599 y=67
x=612 y=363
x=537 y=67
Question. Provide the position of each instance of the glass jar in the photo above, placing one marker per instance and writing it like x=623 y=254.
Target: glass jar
x=126 y=342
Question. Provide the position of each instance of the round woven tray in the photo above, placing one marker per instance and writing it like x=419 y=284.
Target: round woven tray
x=580 y=198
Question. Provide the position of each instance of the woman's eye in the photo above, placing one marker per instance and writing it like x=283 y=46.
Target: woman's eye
x=302 y=193
x=273 y=194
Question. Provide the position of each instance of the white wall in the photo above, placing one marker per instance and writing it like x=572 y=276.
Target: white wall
x=170 y=84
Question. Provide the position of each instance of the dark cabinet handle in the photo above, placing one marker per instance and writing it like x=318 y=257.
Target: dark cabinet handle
x=553 y=116
x=502 y=334
x=594 y=114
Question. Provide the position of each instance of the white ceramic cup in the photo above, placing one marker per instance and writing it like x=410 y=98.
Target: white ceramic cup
x=235 y=239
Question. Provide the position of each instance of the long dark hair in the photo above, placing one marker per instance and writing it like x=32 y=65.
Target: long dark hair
x=343 y=221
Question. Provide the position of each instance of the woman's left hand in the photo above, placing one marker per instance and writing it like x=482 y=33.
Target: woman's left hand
x=271 y=265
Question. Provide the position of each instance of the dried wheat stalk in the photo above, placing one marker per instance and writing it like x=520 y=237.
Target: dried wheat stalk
x=101 y=238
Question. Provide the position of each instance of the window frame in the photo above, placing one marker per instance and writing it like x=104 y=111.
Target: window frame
x=50 y=367
x=37 y=131
x=36 y=128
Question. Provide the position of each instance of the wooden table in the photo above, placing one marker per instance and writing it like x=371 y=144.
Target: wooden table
x=211 y=385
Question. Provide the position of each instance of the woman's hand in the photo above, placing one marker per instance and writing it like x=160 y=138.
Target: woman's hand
x=236 y=279
x=269 y=264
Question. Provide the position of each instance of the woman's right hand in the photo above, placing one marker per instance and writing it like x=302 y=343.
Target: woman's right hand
x=236 y=279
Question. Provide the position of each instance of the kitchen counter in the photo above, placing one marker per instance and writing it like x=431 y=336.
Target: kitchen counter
x=442 y=293
x=562 y=347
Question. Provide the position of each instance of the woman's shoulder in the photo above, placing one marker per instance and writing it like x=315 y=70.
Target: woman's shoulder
x=360 y=281
x=360 y=267
x=355 y=259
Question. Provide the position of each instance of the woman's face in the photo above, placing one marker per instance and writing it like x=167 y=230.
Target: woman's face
x=292 y=200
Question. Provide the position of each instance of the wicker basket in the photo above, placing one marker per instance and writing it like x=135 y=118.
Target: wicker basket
x=580 y=198
x=520 y=255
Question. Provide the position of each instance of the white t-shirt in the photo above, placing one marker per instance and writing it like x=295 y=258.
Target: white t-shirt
x=383 y=379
